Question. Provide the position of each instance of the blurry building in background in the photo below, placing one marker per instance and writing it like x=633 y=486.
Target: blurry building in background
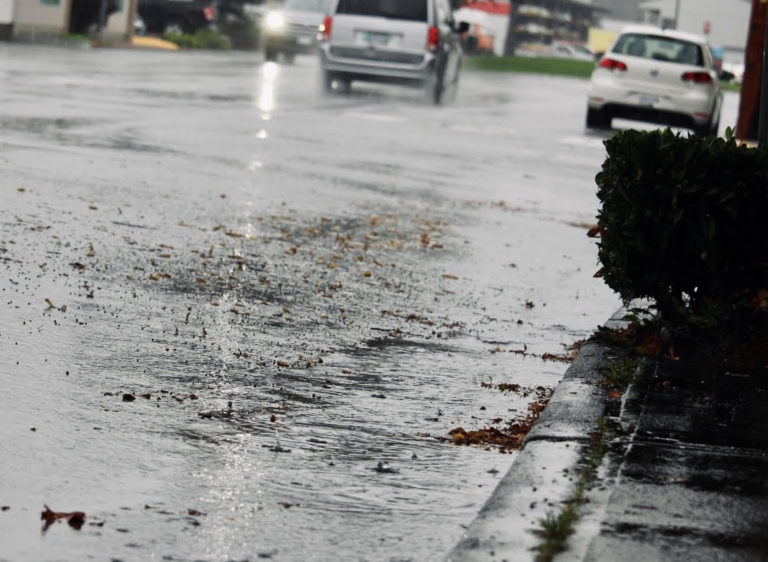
x=488 y=22
x=536 y=24
x=31 y=19
x=6 y=19
x=723 y=22
x=621 y=10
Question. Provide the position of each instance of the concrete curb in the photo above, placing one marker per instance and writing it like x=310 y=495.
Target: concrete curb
x=541 y=477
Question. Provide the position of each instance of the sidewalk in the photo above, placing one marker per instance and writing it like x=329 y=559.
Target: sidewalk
x=683 y=473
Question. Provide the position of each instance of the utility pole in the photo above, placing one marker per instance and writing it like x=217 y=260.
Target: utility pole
x=677 y=14
x=102 y=19
x=752 y=88
x=762 y=128
x=509 y=40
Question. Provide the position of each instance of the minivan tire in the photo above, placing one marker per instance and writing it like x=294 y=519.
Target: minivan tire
x=436 y=85
x=270 y=54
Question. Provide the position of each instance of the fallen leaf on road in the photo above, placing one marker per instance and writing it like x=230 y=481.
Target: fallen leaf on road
x=75 y=519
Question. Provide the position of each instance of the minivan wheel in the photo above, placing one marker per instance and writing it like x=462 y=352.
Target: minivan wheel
x=327 y=79
x=436 y=86
x=270 y=54
x=598 y=119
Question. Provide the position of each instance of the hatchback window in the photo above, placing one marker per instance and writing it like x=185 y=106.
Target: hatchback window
x=660 y=48
x=415 y=10
x=308 y=5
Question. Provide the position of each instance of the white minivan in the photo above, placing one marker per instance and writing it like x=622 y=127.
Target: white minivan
x=414 y=42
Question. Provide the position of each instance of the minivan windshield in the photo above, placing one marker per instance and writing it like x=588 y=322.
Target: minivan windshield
x=414 y=10
x=661 y=48
x=308 y=5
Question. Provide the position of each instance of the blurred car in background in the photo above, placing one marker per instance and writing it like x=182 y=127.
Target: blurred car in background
x=567 y=50
x=414 y=42
x=659 y=76
x=293 y=28
x=177 y=16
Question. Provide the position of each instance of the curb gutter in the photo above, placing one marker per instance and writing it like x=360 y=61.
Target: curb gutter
x=542 y=476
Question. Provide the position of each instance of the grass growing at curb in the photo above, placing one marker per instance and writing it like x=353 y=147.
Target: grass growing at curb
x=620 y=374
x=533 y=65
x=557 y=528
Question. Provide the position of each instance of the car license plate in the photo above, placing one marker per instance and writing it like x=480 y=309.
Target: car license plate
x=648 y=101
x=373 y=38
x=304 y=40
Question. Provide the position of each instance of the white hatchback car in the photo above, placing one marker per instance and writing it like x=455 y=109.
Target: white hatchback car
x=659 y=76
x=413 y=42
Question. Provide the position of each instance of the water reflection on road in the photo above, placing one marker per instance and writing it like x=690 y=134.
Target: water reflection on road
x=265 y=307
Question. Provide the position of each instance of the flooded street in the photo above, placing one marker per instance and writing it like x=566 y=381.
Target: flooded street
x=241 y=319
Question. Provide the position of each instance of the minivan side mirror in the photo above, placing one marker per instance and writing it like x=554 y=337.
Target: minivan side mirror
x=460 y=27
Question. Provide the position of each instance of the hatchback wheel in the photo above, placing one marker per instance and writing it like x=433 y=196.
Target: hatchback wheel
x=598 y=119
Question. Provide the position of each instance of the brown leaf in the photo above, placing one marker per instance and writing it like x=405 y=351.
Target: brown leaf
x=595 y=232
x=75 y=519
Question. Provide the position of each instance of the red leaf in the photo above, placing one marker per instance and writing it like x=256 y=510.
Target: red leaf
x=595 y=232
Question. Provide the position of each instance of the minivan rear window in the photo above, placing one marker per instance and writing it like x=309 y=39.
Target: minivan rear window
x=414 y=10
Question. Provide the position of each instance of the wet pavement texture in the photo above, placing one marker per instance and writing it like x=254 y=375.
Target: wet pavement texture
x=688 y=470
x=238 y=315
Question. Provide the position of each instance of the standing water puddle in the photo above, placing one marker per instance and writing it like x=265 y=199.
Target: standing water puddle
x=283 y=388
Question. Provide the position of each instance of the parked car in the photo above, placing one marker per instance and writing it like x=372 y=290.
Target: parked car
x=415 y=42
x=567 y=50
x=294 y=28
x=177 y=16
x=660 y=76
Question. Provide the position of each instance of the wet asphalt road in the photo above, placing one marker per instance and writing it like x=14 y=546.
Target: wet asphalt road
x=239 y=315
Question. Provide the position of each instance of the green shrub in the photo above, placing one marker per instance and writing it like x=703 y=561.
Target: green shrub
x=683 y=221
x=243 y=33
x=201 y=39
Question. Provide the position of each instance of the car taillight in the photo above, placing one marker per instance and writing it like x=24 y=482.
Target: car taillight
x=612 y=64
x=209 y=13
x=697 y=77
x=325 y=28
x=433 y=38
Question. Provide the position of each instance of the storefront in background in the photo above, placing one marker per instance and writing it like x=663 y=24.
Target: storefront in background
x=30 y=18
